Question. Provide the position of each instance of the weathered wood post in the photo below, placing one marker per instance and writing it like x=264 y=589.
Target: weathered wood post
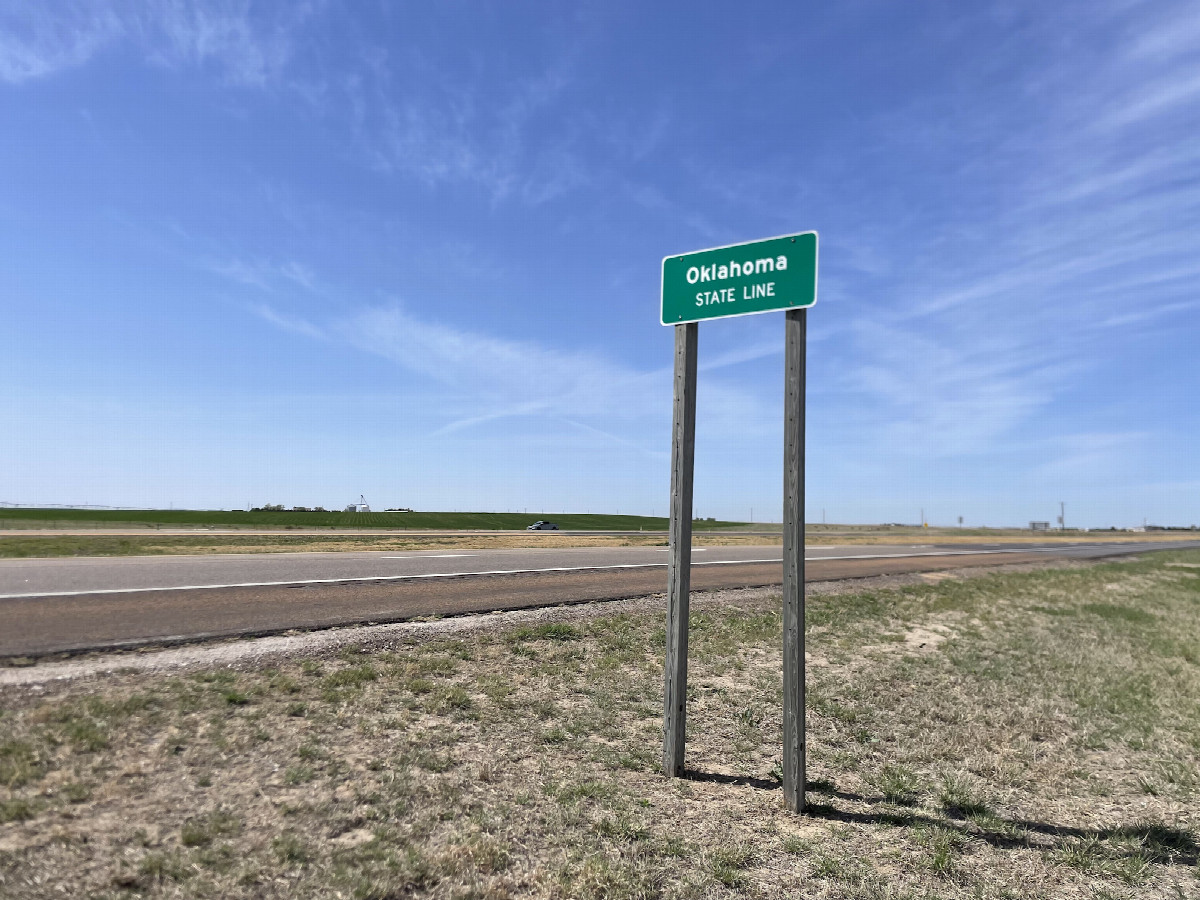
x=794 y=763
x=679 y=564
x=778 y=273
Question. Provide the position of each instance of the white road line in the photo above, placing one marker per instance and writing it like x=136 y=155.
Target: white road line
x=352 y=579
x=432 y=556
x=430 y=575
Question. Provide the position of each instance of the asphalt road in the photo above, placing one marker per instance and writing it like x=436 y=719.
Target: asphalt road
x=72 y=604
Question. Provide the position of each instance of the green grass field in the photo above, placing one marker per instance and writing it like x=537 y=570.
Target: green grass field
x=457 y=521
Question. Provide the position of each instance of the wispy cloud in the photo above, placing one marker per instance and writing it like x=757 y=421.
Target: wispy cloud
x=514 y=133
x=443 y=132
x=39 y=39
x=250 y=49
x=1175 y=34
x=289 y=323
x=247 y=45
x=1094 y=231
x=610 y=438
x=471 y=380
x=934 y=397
x=499 y=373
x=744 y=354
x=265 y=274
x=1156 y=98
x=1091 y=455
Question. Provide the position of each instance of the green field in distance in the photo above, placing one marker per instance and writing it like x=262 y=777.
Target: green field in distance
x=455 y=521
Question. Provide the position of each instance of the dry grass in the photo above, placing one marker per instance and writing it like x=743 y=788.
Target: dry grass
x=152 y=545
x=990 y=536
x=29 y=544
x=1046 y=744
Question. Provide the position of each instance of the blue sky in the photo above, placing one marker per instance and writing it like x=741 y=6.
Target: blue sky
x=295 y=252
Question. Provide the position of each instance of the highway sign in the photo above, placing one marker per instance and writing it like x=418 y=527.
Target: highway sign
x=740 y=279
x=736 y=280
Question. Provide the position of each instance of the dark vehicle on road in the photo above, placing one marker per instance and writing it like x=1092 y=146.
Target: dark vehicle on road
x=542 y=525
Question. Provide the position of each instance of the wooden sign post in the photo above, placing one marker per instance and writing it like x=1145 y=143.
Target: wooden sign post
x=679 y=564
x=793 y=560
x=761 y=276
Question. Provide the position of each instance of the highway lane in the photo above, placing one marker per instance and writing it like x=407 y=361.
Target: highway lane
x=56 y=605
x=63 y=575
x=58 y=576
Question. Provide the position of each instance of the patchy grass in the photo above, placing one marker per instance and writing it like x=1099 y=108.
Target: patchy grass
x=202 y=831
x=897 y=784
x=960 y=796
x=1045 y=745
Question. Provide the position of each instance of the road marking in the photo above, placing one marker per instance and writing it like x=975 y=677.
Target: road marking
x=432 y=556
x=431 y=575
x=356 y=579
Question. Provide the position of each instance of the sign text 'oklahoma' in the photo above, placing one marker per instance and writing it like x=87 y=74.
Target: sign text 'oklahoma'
x=755 y=277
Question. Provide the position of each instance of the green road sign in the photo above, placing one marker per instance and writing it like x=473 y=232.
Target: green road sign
x=740 y=279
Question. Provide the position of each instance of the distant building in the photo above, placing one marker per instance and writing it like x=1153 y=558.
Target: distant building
x=1039 y=526
x=360 y=506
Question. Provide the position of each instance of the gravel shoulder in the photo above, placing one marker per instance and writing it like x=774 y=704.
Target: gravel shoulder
x=268 y=650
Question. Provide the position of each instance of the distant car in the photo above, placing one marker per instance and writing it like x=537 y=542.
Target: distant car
x=542 y=525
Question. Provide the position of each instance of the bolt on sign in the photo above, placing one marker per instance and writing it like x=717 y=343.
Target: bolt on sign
x=740 y=279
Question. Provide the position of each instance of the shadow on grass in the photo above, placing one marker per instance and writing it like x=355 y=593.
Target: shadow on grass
x=820 y=786
x=1151 y=841
x=762 y=784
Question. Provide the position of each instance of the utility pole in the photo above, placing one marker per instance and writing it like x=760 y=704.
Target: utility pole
x=1062 y=516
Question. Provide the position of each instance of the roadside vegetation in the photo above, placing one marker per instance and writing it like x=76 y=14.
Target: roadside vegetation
x=13 y=517
x=26 y=546
x=29 y=543
x=1027 y=735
